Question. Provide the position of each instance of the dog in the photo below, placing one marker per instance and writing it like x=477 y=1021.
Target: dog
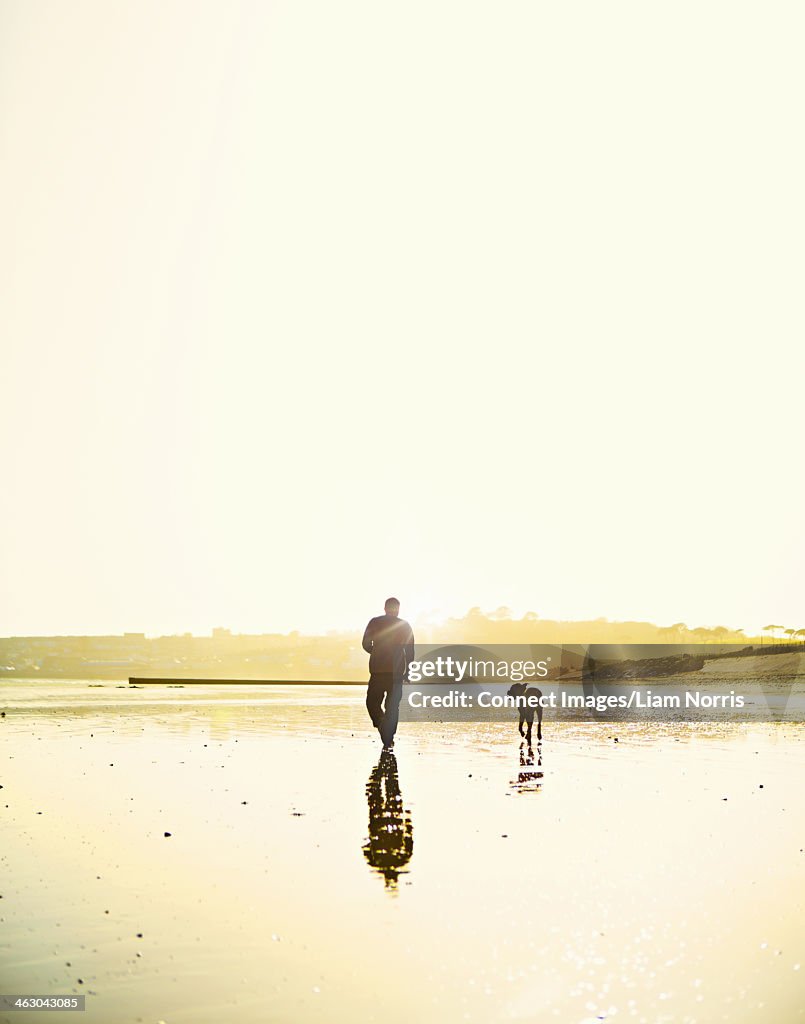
x=527 y=713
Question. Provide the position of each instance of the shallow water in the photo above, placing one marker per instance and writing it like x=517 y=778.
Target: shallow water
x=656 y=878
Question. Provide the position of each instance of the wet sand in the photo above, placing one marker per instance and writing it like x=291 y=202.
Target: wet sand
x=657 y=878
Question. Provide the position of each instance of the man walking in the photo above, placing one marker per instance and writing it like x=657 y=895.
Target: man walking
x=389 y=642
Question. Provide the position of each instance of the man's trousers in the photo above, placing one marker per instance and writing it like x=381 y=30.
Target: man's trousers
x=383 y=704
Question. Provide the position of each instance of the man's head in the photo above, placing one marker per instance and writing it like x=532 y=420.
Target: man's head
x=392 y=606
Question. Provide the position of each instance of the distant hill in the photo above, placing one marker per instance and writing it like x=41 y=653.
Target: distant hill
x=336 y=655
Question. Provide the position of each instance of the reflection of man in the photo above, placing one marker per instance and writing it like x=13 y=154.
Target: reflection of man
x=389 y=642
x=391 y=832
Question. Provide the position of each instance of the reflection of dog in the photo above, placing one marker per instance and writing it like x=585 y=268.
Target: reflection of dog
x=529 y=778
x=527 y=713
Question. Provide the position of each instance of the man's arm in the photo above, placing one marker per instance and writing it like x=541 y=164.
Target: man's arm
x=409 y=650
x=366 y=643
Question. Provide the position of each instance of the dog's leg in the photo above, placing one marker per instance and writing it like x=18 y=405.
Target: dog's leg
x=539 y=723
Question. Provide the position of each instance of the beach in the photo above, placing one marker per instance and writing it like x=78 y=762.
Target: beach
x=205 y=854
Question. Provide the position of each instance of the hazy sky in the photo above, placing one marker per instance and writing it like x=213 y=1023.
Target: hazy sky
x=489 y=303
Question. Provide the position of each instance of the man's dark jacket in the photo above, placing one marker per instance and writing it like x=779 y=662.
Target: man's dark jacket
x=389 y=642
